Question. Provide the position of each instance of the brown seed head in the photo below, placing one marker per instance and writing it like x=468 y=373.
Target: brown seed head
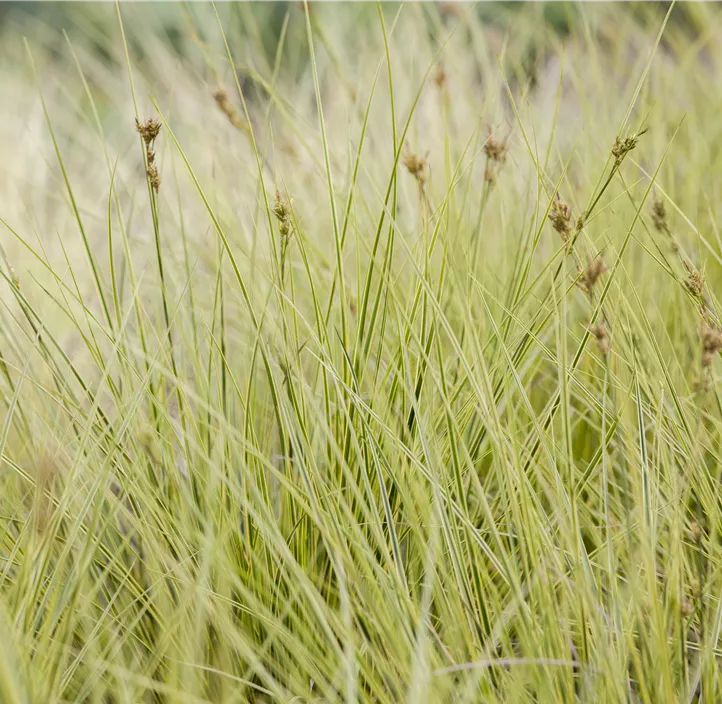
x=282 y=211
x=560 y=215
x=153 y=176
x=282 y=206
x=623 y=145
x=600 y=335
x=496 y=150
x=416 y=166
x=226 y=106
x=220 y=95
x=148 y=129
x=440 y=76
x=695 y=281
x=490 y=173
x=659 y=216
x=589 y=276
x=711 y=344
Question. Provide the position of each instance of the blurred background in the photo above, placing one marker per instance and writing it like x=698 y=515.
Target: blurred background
x=267 y=15
x=525 y=27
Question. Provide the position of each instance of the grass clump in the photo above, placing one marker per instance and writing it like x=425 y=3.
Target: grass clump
x=397 y=438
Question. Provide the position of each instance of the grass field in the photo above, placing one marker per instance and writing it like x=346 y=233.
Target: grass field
x=367 y=353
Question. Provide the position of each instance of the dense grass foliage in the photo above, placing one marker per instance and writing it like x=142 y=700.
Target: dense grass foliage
x=363 y=354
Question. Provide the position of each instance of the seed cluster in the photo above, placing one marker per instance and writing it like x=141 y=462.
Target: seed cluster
x=659 y=216
x=695 y=282
x=623 y=145
x=149 y=130
x=560 y=215
x=220 y=95
x=417 y=167
x=661 y=222
x=711 y=344
x=440 y=76
x=282 y=210
x=496 y=152
x=600 y=335
x=590 y=275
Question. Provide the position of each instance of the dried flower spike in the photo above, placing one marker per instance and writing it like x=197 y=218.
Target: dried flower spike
x=589 y=276
x=440 y=76
x=220 y=95
x=417 y=167
x=153 y=176
x=623 y=145
x=282 y=206
x=560 y=215
x=496 y=150
x=659 y=216
x=600 y=335
x=695 y=282
x=711 y=344
x=148 y=129
x=282 y=211
x=489 y=173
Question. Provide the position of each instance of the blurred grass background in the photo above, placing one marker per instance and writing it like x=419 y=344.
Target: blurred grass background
x=92 y=20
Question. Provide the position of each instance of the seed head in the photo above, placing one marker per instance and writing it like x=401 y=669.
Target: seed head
x=560 y=215
x=417 y=167
x=490 y=173
x=600 y=335
x=440 y=76
x=496 y=150
x=623 y=145
x=148 y=129
x=153 y=176
x=282 y=207
x=589 y=276
x=711 y=344
x=226 y=106
x=282 y=210
x=659 y=216
x=695 y=282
